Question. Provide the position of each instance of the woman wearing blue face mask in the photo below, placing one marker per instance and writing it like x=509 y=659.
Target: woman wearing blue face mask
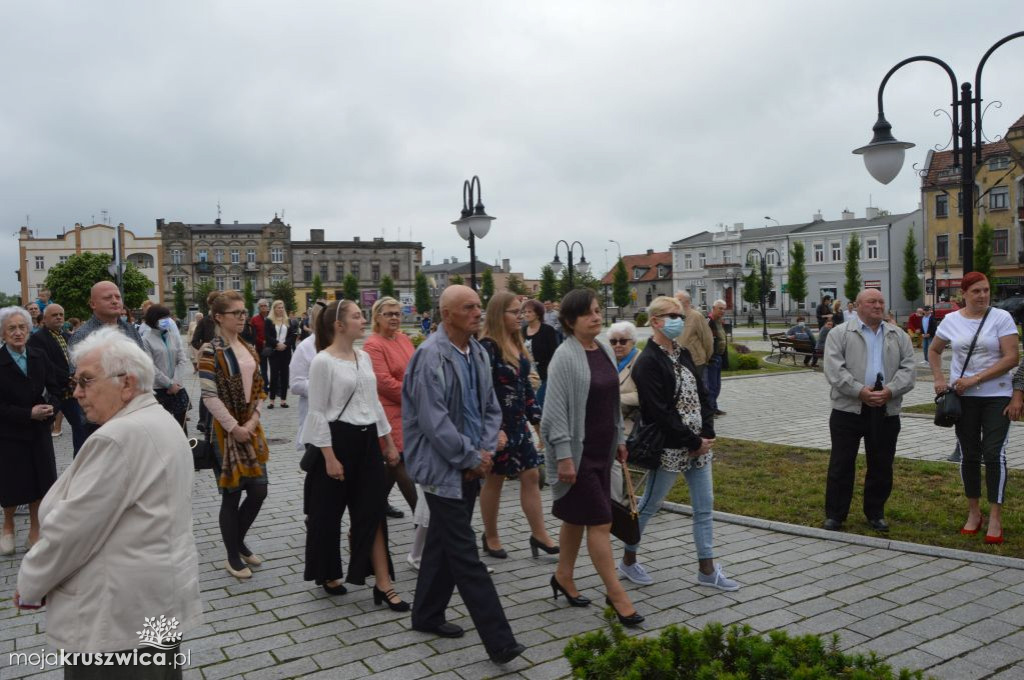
x=673 y=398
x=163 y=344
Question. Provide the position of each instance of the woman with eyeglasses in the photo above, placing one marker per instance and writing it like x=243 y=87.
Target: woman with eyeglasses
x=675 y=400
x=540 y=340
x=28 y=389
x=390 y=351
x=516 y=456
x=622 y=338
x=348 y=424
x=232 y=390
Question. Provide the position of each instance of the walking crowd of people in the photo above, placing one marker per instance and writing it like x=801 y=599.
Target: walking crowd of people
x=519 y=391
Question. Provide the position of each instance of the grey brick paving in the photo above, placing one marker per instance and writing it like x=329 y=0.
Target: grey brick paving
x=950 y=616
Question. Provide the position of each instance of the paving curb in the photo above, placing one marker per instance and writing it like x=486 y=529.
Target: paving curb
x=773 y=374
x=857 y=539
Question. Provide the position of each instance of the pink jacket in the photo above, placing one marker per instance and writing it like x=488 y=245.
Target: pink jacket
x=390 y=357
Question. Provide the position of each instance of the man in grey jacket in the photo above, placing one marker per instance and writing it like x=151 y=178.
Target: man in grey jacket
x=870 y=365
x=450 y=421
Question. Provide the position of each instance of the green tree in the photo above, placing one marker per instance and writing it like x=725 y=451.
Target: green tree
x=548 y=285
x=201 y=292
x=911 y=284
x=318 y=288
x=620 y=285
x=423 y=301
x=983 y=250
x=250 y=297
x=853 y=284
x=180 y=309
x=285 y=292
x=514 y=284
x=797 y=273
x=10 y=300
x=752 y=287
x=456 y=280
x=486 y=286
x=387 y=287
x=70 y=283
x=579 y=280
x=350 y=287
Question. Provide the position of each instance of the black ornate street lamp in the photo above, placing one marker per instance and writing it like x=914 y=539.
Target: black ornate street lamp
x=764 y=284
x=925 y=263
x=883 y=156
x=583 y=266
x=474 y=222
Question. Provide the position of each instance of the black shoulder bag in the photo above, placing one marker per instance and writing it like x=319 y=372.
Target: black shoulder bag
x=947 y=405
x=311 y=453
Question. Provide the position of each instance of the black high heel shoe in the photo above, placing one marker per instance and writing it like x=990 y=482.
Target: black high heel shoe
x=380 y=596
x=499 y=553
x=634 y=619
x=339 y=589
x=578 y=601
x=536 y=545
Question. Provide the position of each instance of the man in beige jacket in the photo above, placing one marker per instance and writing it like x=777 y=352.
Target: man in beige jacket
x=116 y=552
x=696 y=337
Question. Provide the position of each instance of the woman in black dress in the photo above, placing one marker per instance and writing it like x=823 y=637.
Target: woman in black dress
x=27 y=399
x=540 y=340
x=582 y=432
x=516 y=455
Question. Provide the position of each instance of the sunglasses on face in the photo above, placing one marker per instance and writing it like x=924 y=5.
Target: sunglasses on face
x=390 y=315
x=619 y=341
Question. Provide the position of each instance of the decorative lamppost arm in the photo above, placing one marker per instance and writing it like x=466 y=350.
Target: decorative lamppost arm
x=883 y=125
x=977 y=89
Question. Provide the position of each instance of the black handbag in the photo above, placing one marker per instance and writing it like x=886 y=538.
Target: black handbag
x=948 y=408
x=204 y=457
x=625 y=518
x=645 y=444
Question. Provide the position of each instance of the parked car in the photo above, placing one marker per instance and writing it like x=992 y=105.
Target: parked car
x=941 y=309
x=1015 y=306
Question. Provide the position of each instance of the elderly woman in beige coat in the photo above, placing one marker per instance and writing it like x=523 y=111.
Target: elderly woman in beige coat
x=622 y=338
x=116 y=544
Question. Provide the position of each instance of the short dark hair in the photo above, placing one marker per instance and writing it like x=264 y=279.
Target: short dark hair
x=574 y=305
x=537 y=306
x=154 y=314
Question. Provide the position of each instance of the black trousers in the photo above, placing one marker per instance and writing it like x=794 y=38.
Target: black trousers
x=879 y=433
x=981 y=435
x=96 y=671
x=279 y=362
x=324 y=501
x=450 y=559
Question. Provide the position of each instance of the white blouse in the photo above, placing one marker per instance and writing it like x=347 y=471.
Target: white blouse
x=331 y=382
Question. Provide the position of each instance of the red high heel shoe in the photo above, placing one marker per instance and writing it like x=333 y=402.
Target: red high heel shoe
x=970 y=532
x=994 y=540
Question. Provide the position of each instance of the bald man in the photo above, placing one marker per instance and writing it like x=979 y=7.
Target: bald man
x=450 y=421
x=106 y=305
x=53 y=341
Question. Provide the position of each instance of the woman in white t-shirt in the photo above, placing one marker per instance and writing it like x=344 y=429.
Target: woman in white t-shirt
x=988 y=399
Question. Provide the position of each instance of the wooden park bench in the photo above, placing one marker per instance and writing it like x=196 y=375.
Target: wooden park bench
x=789 y=347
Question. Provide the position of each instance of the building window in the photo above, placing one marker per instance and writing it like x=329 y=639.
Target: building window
x=235 y=257
x=218 y=256
x=64 y=258
x=202 y=279
x=960 y=245
x=323 y=272
x=395 y=271
x=819 y=252
x=771 y=258
x=725 y=255
x=203 y=256
x=375 y=272
x=339 y=271
x=250 y=255
x=40 y=263
x=687 y=261
x=942 y=245
x=960 y=203
x=355 y=269
x=236 y=282
x=175 y=257
x=872 y=246
x=1000 y=242
x=837 y=250
x=277 y=255
x=702 y=259
x=219 y=282
x=942 y=205
x=276 y=279
x=307 y=271
x=998 y=162
x=999 y=198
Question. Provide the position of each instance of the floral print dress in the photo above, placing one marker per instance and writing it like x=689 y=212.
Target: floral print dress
x=688 y=405
x=519 y=409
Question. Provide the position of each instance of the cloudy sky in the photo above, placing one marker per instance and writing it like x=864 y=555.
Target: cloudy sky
x=641 y=121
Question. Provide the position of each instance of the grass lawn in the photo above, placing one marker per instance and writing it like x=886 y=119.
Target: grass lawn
x=927 y=407
x=788 y=484
x=763 y=366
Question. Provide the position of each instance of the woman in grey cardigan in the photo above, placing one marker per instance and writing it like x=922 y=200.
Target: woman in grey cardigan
x=582 y=428
x=163 y=344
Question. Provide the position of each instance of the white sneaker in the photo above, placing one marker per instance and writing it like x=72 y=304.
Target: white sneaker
x=413 y=562
x=7 y=544
x=717 y=580
x=635 y=573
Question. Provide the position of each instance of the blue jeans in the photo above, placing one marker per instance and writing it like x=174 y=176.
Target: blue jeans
x=702 y=497
x=925 y=344
x=713 y=379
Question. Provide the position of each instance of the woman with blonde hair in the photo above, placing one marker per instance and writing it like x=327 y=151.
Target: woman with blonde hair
x=232 y=390
x=516 y=455
x=390 y=351
x=279 y=333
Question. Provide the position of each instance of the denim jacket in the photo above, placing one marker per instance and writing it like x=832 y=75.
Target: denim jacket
x=436 y=450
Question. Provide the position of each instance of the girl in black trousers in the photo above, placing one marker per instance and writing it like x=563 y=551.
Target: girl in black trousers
x=279 y=336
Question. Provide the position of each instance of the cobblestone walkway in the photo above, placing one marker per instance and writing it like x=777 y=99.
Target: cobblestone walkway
x=955 y=616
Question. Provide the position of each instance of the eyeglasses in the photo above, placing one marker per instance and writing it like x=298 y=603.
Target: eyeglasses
x=85 y=382
x=390 y=315
x=671 y=315
x=516 y=312
x=238 y=313
x=619 y=341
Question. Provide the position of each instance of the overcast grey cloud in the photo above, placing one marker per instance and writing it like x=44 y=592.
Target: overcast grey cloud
x=644 y=122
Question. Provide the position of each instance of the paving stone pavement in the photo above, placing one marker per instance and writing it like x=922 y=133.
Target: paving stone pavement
x=953 y=616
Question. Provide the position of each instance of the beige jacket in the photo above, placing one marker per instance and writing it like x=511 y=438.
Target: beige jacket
x=697 y=337
x=846 y=362
x=116 y=543
x=629 y=400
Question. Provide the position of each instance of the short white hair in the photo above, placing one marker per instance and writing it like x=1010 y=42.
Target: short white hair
x=7 y=312
x=683 y=295
x=118 y=355
x=623 y=328
x=263 y=301
x=719 y=302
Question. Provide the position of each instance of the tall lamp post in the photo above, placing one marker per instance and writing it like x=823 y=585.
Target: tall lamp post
x=925 y=263
x=764 y=286
x=474 y=222
x=883 y=156
x=583 y=266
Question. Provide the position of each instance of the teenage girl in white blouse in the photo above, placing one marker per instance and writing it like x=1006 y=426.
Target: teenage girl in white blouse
x=347 y=422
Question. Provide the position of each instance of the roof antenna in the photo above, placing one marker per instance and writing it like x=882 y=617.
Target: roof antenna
x=218 y=211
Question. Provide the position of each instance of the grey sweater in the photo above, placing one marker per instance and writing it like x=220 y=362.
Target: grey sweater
x=565 y=410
